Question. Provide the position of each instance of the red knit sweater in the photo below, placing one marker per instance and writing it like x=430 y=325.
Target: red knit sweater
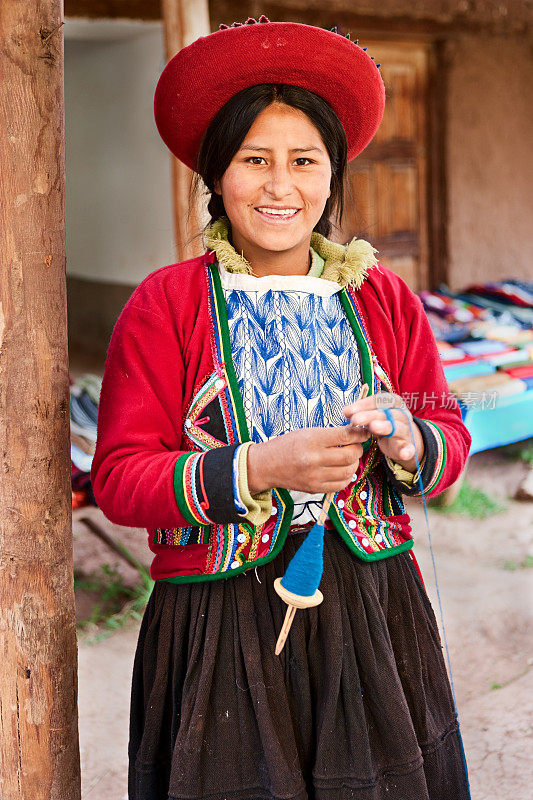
x=161 y=354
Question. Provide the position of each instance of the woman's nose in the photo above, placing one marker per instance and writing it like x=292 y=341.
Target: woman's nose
x=279 y=182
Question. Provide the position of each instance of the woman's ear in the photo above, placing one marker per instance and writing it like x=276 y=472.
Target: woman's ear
x=216 y=187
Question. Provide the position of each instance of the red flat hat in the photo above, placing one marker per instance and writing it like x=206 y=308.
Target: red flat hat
x=202 y=77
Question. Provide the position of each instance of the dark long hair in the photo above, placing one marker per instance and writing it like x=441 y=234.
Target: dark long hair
x=229 y=127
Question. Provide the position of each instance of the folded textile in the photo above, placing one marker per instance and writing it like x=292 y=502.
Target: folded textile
x=480 y=383
x=469 y=370
x=510 y=334
x=523 y=371
x=453 y=362
x=92 y=384
x=483 y=347
x=447 y=351
x=80 y=459
x=514 y=386
x=83 y=443
x=83 y=430
x=523 y=315
x=519 y=362
x=447 y=307
x=84 y=399
x=527 y=286
x=82 y=410
x=447 y=331
x=510 y=356
x=505 y=292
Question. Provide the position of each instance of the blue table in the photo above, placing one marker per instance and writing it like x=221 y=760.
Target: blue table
x=511 y=420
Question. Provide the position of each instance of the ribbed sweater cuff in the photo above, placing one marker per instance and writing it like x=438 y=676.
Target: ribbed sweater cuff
x=259 y=506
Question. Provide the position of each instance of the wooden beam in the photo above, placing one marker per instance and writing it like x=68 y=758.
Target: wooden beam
x=400 y=16
x=437 y=199
x=114 y=9
x=183 y=22
x=39 y=752
x=389 y=17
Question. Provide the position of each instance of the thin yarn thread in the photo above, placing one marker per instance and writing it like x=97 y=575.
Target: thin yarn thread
x=441 y=614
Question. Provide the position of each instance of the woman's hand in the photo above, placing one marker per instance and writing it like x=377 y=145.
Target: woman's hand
x=308 y=460
x=399 y=447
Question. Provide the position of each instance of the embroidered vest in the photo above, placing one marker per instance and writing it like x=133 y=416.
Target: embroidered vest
x=369 y=513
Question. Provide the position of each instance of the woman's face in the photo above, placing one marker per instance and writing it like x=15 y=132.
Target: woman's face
x=277 y=184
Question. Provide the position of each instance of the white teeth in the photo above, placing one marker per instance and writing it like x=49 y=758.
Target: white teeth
x=280 y=212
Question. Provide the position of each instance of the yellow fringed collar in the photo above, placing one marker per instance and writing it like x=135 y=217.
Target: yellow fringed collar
x=344 y=264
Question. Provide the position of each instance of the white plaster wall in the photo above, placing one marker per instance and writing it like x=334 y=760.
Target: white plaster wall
x=118 y=194
x=490 y=159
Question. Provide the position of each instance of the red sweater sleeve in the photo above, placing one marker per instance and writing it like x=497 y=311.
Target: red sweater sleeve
x=413 y=360
x=425 y=390
x=140 y=476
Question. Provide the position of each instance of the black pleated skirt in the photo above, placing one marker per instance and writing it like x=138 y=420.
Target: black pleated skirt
x=358 y=705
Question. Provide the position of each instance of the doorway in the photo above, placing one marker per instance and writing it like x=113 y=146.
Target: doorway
x=388 y=182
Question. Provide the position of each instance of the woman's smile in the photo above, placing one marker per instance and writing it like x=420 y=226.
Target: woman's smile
x=278 y=216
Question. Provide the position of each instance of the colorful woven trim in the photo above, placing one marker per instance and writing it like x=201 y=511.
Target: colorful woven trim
x=368 y=376
x=179 y=536
x=360 y=517
x=186 y=473
x=382 y=375
x=232 y=547
x=197 y=427
x=431 y=481
x=203 y=486
x=221 y=347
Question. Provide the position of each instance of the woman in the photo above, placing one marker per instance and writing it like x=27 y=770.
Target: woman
x=228 y=387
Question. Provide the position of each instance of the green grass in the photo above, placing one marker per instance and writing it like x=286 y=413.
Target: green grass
x=471 y=502
x=526 y=563
x=117 y=602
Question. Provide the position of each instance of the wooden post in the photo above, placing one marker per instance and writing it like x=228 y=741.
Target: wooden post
x=39 y=753
x=183 y=22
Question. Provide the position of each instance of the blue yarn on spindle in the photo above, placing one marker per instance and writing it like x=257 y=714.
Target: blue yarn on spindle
x=304 y=572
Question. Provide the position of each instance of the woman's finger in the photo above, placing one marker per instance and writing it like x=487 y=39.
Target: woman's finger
x=407 y=453
x=341 y=456
x=330 y=474
x=380 y=425
x=374 y=402
x=399 y=449
x=384 y=427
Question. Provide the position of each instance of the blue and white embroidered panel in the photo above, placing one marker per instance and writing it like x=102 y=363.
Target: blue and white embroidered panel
x=295 y=353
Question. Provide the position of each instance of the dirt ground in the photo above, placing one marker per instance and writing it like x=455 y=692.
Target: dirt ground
x=486 y=592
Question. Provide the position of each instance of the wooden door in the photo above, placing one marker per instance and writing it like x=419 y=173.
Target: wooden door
x=388 y=181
